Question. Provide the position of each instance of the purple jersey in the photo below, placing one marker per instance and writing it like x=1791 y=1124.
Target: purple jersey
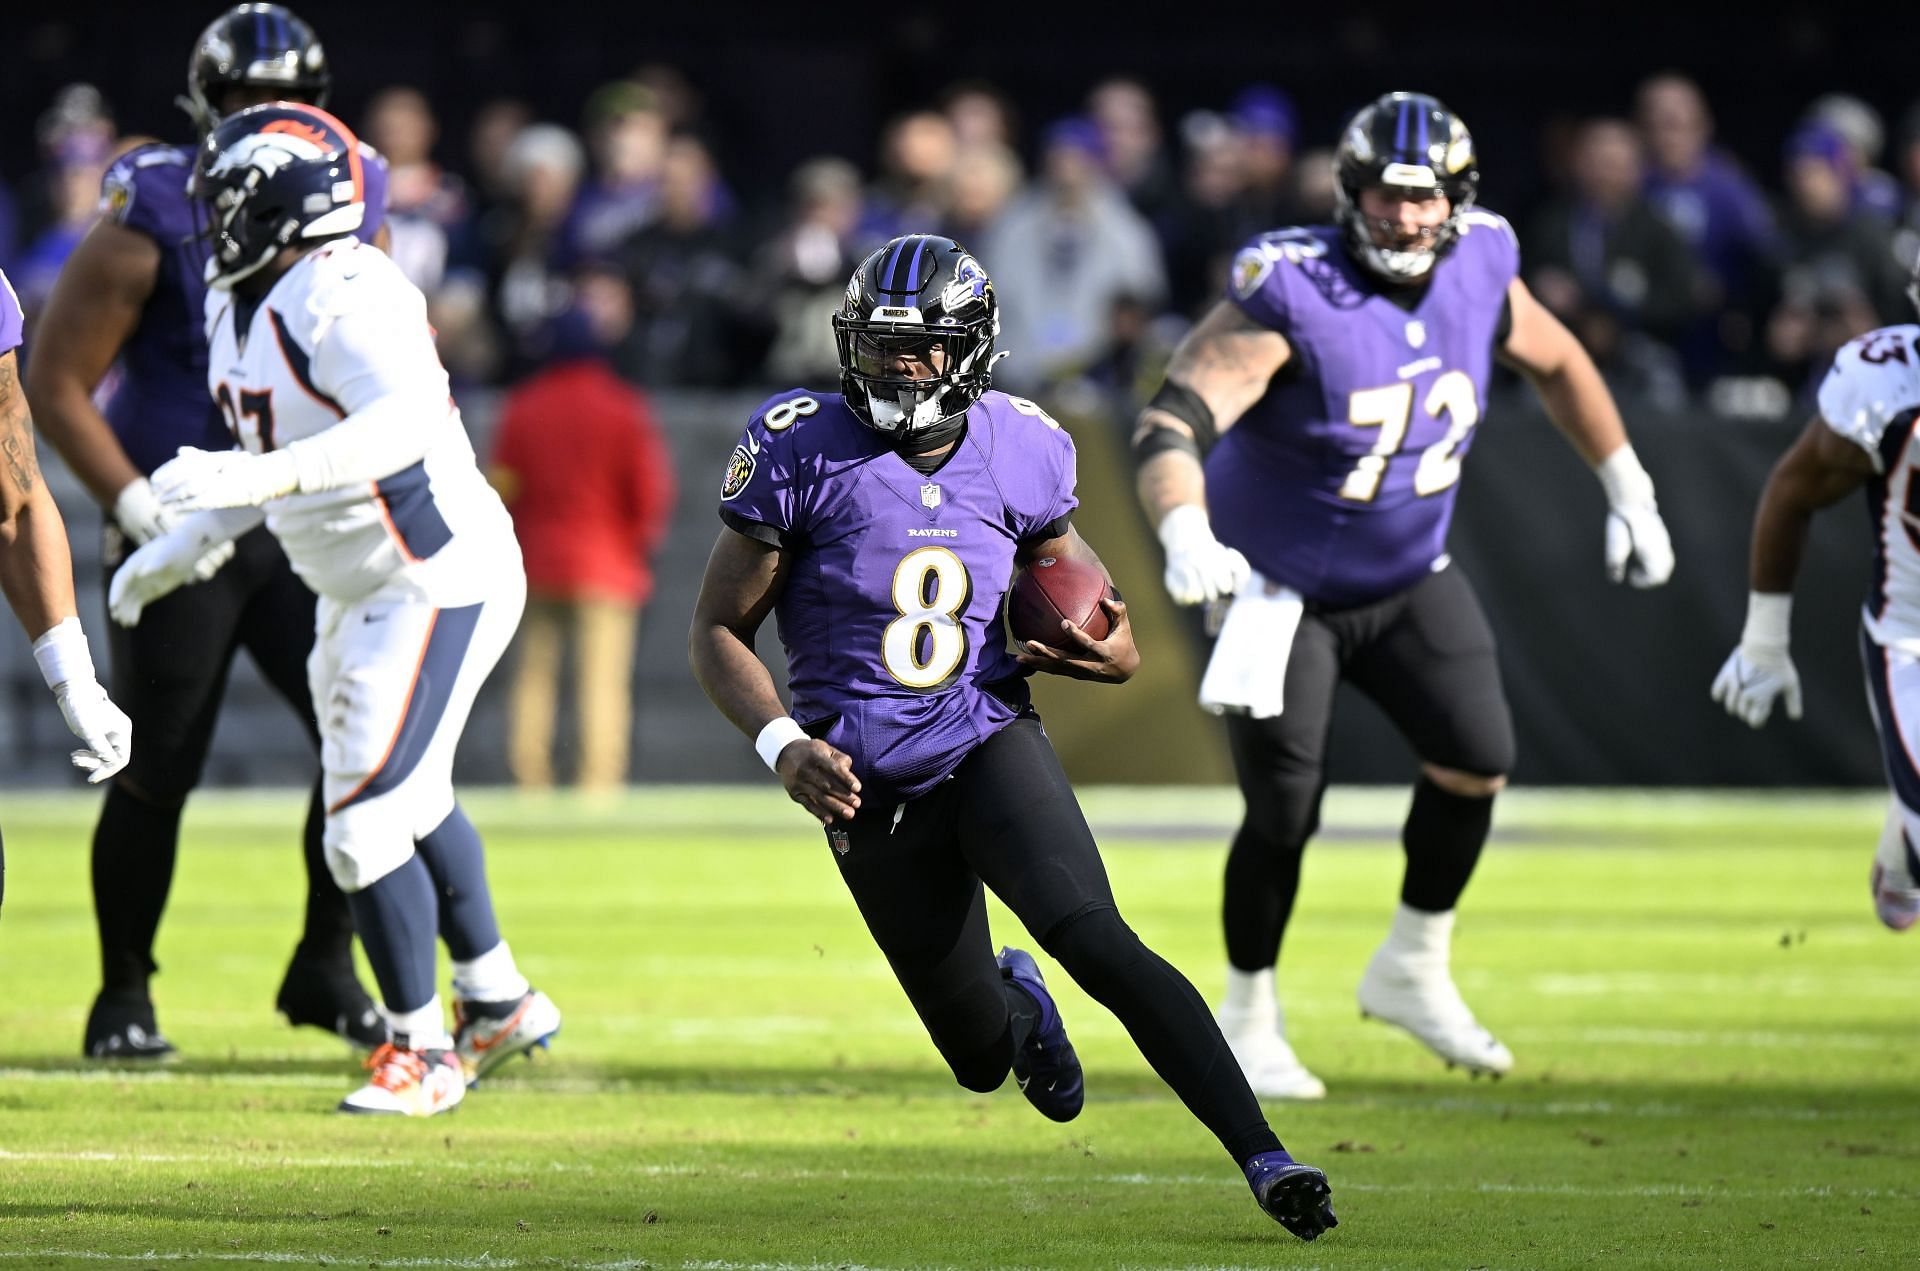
x=1340 y=481
x=891 y=612
x=160 y=403
x=12 y=321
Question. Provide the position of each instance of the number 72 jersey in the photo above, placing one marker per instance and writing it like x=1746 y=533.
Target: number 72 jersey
x=1871 y=397
x=1339 y=482
x=890 y=614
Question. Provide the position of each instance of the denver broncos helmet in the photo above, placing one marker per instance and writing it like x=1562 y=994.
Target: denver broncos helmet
x=271 y=176
x=1407 y=141
x=925 y=297
x=259 y=46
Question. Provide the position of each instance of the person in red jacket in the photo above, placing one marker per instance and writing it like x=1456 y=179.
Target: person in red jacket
x=584 y=470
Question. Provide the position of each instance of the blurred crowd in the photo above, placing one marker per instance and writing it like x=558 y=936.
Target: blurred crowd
x=1691 y=277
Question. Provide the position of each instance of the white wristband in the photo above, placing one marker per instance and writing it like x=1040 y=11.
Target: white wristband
x=1769 y=619
x=776 y=737
x=62 y=654
x=1624 y=480
x=1185 y=526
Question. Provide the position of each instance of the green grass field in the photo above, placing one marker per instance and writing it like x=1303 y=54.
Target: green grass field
x=1716 y=1048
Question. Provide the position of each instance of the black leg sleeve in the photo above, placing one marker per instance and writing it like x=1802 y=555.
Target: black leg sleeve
x=1443 y=837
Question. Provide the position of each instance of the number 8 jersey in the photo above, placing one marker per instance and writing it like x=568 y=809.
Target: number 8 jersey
x=1871 y=397
x=891 y=610
x=1340 y=481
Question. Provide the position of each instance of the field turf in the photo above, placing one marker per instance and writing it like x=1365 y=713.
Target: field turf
x=1716 y=1046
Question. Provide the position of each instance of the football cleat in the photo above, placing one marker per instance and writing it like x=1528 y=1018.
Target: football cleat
x=1294 y=1195
x=1896 y=895
x=121 y=1026
x=1046 y=1068
x=1270 y=1065
x=328 y=996
x=1418 y=994
x=408 y=1083
x=487 y=1034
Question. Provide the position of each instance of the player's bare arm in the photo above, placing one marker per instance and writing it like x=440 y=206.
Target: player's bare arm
x=1539 y=346
x=1110 y=661
x=1225 y=362
x=94 y=308
x=35 y=570
x=1818 y=470
x=743 y=581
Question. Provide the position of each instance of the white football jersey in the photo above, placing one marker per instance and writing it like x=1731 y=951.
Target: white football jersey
x=339 y=331
x=1872 y=398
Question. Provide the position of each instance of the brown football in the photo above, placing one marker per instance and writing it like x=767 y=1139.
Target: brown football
x=1053 y=588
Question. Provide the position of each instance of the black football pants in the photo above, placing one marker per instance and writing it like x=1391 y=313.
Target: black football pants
x=1007 y=818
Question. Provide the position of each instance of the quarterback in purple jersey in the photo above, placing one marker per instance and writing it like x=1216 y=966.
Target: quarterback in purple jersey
x=882 y=526
x=1303 y=457
x=133 y=293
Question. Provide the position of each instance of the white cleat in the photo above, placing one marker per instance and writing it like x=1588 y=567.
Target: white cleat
x=1272 y=1069
x=409 y=1083
x=485 y=1041
x=1895 y=899
x=1417 y=993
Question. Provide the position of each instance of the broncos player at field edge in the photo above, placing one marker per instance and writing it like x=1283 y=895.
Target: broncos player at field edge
x=882 y=526
x=131 y=294
x=1303 y=457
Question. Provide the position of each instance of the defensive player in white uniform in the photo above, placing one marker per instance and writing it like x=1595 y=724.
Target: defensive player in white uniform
x=352 y=452
x=1864 y=435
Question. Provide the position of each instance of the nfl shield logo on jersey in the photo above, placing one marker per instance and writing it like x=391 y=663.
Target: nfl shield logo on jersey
x=1416 y=333
x=929 y=495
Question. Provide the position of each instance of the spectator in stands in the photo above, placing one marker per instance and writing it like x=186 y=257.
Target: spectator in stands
x=1074 y=247
x=1907 y=160
x=427 y=207
x=627 y=136
x=1610 y=268
x=521 y=238
x=1209 y=221
x=1313 y=188
x=916 y=161
x=1264 y=119
x=808 y=263
x=1123 y=110
x=1859 y=125
x=985 y=180
x=980 y=115
x=76 y=138
x=585 y=472
x=1718 y=211
x=682 y=269
x=495 y=126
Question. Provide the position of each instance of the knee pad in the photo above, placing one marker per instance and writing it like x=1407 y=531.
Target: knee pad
x=364 y=843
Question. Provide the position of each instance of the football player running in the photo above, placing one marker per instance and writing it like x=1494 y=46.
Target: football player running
x=132 y=293
x=1303 y=457
x=882 y=525
x=353 y=454
x=36 y=575
x=1865 y=435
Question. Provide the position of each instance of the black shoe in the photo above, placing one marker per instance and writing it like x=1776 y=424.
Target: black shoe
x=1294 y=1195
x=121 y=1026
x=328 y=996
x=1046 y=1067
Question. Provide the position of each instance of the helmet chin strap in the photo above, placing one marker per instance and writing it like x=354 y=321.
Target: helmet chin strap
x=914 y=424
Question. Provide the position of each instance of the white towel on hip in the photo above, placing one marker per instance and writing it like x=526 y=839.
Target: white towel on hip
x=1247 y=674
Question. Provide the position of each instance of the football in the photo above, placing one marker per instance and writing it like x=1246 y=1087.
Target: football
x=1056 y=587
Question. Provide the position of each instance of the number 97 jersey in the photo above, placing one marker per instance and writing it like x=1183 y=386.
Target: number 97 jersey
x=891 y=610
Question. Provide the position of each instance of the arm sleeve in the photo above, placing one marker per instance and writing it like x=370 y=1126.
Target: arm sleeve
x=382 y=369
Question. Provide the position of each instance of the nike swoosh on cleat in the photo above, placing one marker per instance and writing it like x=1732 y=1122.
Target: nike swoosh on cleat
x=506 y=1029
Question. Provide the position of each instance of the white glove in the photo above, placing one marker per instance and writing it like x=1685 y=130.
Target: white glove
x=190 y=552
x=1639 y=550
x=1760 y=669
x=104 y=731
x=140 y=514
x=196 y=480
x=1199 y=566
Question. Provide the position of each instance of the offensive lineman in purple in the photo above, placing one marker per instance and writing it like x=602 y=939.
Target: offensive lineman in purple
x=133 y=292
x=1342 y=380
x=883 y=524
